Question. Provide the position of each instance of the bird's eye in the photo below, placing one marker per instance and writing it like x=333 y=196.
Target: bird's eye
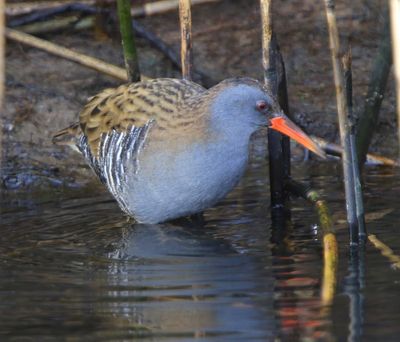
x=262 y=106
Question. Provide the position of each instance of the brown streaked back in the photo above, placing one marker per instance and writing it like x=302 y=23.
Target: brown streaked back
x=134 y=105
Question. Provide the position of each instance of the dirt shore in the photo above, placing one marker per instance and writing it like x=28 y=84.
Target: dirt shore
x=45 y=93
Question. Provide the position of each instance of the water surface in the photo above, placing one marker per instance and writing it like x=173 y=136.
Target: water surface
x=72 y=267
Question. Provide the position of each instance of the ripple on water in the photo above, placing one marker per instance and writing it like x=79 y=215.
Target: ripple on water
x=73 y=267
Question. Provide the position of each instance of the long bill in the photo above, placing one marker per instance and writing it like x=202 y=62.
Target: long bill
x=283 y=125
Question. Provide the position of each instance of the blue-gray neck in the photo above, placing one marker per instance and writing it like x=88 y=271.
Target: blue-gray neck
x=231 y=113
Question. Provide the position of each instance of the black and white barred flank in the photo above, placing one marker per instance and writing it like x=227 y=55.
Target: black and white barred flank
x=117 y=150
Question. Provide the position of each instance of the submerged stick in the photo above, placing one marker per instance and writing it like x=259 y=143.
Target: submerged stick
x=395 y=29
x=185 y=18
x=329 y=239
x=128 y=40
x=386 y=251
x=90 y=62
x=379 y=75
x=344 y=126
x=275 y=146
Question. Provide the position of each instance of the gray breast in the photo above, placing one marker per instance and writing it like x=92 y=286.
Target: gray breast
x=170 y=185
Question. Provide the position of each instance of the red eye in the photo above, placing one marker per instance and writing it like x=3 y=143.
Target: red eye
x=262 y=105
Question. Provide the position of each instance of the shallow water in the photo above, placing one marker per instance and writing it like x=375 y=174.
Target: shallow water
x=73 y=268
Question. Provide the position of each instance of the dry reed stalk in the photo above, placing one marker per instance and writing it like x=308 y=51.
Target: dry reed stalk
x=268 y=60
x=185 y=18
x=90 y=62
x=395 y=29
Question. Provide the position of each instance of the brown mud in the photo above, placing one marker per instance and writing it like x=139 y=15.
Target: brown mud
x=45 y=93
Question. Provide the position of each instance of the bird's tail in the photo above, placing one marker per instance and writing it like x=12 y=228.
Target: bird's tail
x=67 y=136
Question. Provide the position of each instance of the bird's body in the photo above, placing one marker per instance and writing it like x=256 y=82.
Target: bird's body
x=168 y=148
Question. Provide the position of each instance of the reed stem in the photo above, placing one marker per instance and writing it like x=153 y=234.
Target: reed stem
x=395 y=29
x=2 y=73
x=185 y=18
x=358 y=194
x=344 y=125
x=278 y=147
x=128 y=40
x=379 y=75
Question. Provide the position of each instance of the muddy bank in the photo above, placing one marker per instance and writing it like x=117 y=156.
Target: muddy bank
x=45 y=93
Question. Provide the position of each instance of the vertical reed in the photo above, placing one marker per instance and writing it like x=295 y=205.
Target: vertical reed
x=128 y=40
x=376 y=89
x=185 y=18
x=278 y=164
x=2 y=75
x=344 y=125
x=395 y=28
x=358 y=194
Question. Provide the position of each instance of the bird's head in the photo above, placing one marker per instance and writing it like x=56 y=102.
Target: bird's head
x=243 y=105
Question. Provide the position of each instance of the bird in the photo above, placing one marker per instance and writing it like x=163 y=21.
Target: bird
x=168 y=148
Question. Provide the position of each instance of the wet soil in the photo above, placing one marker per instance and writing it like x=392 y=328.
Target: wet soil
x=45 y=93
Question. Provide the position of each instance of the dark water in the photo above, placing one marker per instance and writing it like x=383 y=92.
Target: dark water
x=72 y=268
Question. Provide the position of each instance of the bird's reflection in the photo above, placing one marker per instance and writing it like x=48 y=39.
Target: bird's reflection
x=178 y=278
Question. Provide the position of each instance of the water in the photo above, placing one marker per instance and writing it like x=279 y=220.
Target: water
x=72 y=268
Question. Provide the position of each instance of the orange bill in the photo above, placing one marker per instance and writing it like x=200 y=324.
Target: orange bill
x=285 y=126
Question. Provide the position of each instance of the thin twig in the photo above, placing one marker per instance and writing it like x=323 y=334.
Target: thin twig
x=45 y=13
x=185 y=18
x=342 y=108
x=21 y=8
x=147 y=9
x=128 y=40
x=69 y=22
x=68 y=54
x=336 y=150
